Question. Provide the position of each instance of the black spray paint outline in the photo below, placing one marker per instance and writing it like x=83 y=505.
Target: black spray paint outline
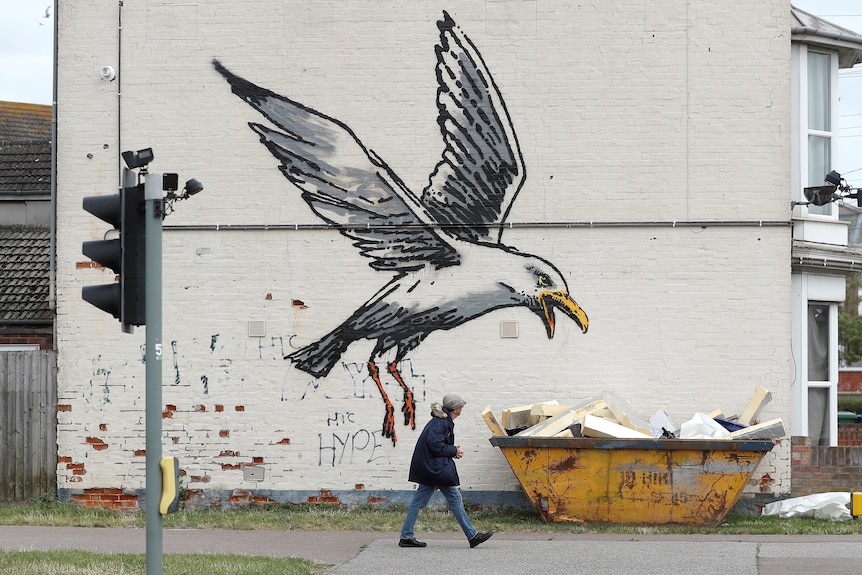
x=423 y=240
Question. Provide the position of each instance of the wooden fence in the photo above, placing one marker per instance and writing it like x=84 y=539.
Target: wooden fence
x=28 y=425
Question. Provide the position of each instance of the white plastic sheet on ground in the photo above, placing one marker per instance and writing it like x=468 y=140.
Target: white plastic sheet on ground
x=831 y=506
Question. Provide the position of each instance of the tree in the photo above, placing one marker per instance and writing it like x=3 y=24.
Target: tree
x=850 y=325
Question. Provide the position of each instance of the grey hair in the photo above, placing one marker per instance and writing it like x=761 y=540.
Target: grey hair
x=453 y=401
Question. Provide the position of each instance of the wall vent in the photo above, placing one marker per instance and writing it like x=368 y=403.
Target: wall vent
x=256 y=328
x=252 y=473
x=509 y=328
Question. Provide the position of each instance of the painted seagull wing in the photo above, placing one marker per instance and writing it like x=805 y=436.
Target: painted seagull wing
x=344 y=183
x=472 y=189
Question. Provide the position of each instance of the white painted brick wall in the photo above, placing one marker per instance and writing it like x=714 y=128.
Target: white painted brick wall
x=626 y=111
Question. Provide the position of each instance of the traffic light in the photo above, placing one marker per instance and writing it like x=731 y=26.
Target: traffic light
x=126 y=255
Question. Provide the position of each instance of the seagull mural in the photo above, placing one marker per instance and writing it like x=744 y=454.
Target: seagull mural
x=442 y=248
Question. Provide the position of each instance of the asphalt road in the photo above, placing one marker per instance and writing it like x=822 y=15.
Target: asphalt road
x=353 y=552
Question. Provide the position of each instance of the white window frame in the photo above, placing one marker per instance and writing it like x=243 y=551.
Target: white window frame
x=831 y=383
x=805 y=132
x=823 y=290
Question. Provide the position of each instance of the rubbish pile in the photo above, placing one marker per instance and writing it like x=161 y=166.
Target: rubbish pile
x=609 y=416
x=831 y=506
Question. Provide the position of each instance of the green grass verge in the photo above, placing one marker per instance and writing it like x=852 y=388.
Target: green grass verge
x=328 y=518
x=389 y=520
x=85 y=563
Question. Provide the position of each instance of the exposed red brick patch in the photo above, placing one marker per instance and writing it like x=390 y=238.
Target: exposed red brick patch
x=219 y=408
x=268 y=297
x=256 y=460
x=199 y=500
x=107 y=490
x=359 y=486
x=140 y=453
x=245 y=498
x=285 y=441
x=103 y=427
x=200 y=407
x=230 y=466
x=97 y=443
x=107 y=498
x=170 y=407
x=325 y=496
x=200 y=479
x=766 y=482
x=64 y=407
x=376 y=500
x=224 y=433
x=229 y=453
x=88 y=265
x=240 y=408
x=167 y=414
x=64 y=459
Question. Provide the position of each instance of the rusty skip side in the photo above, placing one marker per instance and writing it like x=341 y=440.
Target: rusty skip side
x=633 y=481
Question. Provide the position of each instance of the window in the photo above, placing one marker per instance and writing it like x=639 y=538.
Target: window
x=821 y=317
x=19 y=347
x=819 y=123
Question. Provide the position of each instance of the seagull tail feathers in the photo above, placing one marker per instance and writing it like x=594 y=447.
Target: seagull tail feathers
x=320 y=357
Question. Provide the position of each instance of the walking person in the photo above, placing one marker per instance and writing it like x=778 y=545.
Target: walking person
x=433 y=468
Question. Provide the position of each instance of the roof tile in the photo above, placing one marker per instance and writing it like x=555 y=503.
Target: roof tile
x=25 y=166
x=25 y=269
x=25 y=122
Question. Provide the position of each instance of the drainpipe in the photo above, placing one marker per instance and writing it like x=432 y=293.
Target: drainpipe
x=52 y=272
x=119 y=92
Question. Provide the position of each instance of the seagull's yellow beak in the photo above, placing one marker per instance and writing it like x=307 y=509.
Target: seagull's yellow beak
x=561 y=300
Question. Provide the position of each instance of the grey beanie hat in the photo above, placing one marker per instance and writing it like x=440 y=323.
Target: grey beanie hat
x=453 y=401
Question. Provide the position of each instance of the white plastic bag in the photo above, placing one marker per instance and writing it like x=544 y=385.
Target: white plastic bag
x=702 y=426
x=831 y=506
x=659 y=422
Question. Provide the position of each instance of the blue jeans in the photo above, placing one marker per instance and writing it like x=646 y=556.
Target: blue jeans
x=421 y=499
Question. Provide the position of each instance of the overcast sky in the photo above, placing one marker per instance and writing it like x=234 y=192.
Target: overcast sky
x=26 y=51
x=26 y=65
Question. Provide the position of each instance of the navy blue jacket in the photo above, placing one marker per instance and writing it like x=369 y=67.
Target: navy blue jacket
x=433 y=460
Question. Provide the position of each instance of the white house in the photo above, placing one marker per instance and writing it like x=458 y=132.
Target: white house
x=654 y=149
x=820 y=254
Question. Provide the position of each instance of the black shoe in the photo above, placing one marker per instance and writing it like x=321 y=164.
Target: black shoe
x=480 y=538
x=412 y=543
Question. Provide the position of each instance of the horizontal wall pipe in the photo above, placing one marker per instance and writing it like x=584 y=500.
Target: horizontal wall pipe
x=513 y=225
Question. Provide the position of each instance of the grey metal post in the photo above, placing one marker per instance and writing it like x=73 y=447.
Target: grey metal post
x=152 y=197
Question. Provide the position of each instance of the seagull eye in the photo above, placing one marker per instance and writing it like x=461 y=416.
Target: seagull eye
x=544 y=281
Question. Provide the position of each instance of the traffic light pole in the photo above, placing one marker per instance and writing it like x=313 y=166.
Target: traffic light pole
x=137 y=212
x=153 y=201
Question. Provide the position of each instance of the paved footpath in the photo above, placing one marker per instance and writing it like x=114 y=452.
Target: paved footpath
x=355 y=552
